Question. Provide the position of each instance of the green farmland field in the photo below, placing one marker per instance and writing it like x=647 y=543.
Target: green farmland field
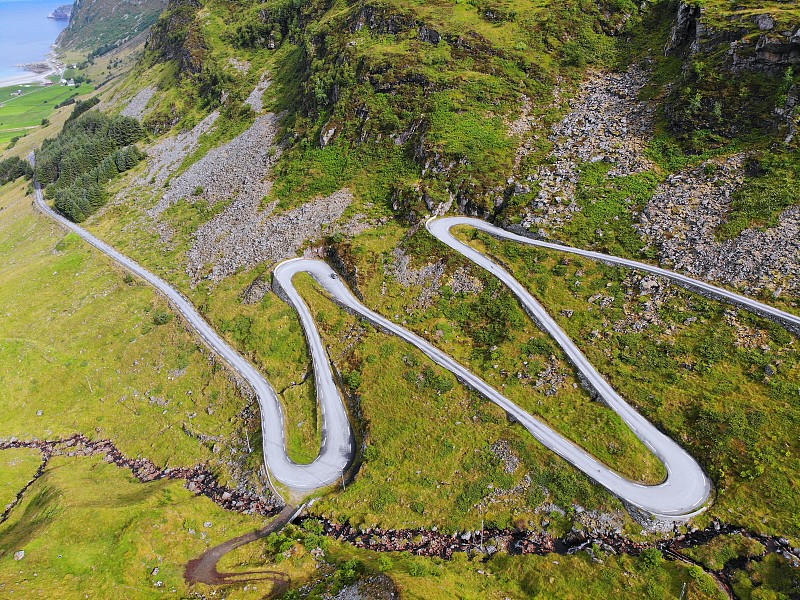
x=20 y=114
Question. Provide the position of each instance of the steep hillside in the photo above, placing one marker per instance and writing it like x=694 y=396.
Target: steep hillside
x=337 y=127
x=432 y=82
x=660 y=131
x=97 y=26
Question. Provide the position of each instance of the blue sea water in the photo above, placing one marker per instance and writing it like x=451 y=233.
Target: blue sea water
x=26 y=33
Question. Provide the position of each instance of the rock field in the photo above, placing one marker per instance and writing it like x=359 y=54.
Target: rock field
x=687 y=209
x=168 y=154
x=244 y=233
x=234 y=171
x=243 y=236
x=138 y=104
x=606 y=122
x=429 y=277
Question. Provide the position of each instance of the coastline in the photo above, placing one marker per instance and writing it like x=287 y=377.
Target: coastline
x=36 y=73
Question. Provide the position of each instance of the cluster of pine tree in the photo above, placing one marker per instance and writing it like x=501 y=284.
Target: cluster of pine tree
x=13 y=168
x=82 y=106
x=91 y=150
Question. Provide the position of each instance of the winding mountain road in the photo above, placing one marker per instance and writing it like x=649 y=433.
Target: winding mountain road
x=337 y=445
x=683 y=493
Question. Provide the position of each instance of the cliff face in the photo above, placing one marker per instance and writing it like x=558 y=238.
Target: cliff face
x=739 y=73
x=773 y=52
x=755 y=43
x=176 y=37
x=101 y=25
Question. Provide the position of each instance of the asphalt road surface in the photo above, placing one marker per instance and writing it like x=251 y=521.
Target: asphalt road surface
x=686 y=488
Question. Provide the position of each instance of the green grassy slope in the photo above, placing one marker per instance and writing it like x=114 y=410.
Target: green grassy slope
x=703 y=372
x=373 y=71
x=20 y=114
x=87 y=528
x=17 y=467
x=460 y=90
x=80 y=344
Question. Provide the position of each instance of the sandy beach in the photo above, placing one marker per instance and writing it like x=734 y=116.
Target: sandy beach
x=35 y=72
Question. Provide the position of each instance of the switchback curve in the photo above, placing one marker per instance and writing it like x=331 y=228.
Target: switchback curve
x=683 y=493
x=337 y=446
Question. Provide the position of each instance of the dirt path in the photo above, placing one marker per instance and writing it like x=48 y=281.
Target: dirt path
x=204 y=568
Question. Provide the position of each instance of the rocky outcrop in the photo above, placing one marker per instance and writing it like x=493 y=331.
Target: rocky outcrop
x=691 y=35
x=61 y=13
x=754 y=42
x=684 y=30
x=427 y=34
x=772 y=52
x=382 y=20
x=175 y=36
x=790 y=113
x=387 y=20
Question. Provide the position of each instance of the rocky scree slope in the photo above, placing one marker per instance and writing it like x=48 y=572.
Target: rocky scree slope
x=233 y=179
x=456 y=96
x=607 y=122
x=687 y=210
x=429 y=83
